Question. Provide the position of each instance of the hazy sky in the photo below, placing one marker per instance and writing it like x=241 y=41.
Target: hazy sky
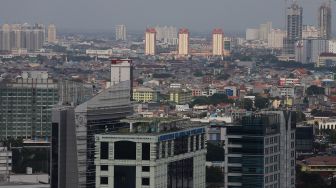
x=199 y=15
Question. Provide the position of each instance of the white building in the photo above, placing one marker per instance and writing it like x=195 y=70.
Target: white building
x=252 y=34
x=167 y=34
x=264 y=30
x=120 y=32
x=275 y=38
x=152 y=153
x=217 y=42
x=183 y=47
x=310 y=31
x=120 y=71
x=105 y=54
x=308 y=50
x=332 y=46
x=150 y=41
x=5 y=164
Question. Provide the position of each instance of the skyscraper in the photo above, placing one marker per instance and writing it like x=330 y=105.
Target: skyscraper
x=294 y=28
x=150 y=41
x=121 y=70
x=51 y=33
x=166 y=34
x=264 y=31
x=183 y=42
x=120 y=32
x=217 y=42
x=324 y=20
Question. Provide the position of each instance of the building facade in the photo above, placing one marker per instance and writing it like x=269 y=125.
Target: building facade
x=25 y=105
x=217 y=42
x=171 y=155
x=150 y=41
x=183 y=46
x=5 y=164
x=294 y=28
x=180 y=96
x=120 y=32
x=324 y=21
x=52 y=33
x=141 y=94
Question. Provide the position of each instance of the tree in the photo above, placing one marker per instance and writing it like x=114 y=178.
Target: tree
x=247 y=104
x=261 y=102
x=198 y=74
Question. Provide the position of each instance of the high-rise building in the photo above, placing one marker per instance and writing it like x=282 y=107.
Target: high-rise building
x=309 y=31
x=324 y=20
x=121 y=70
x=276 y=38
x=51 y=33
x=308 y=50
x=120 y=32
x=5 y=38
x=260 y=151
x=24 y=36
x=217 y=42
x=25 y=105
x=294 y=28
x=63 y=154
x=75 y=134
x=166 y=34
x=152 y=153
x=5 y=164
x=183 y=42
x=252 y=34
x=150 y=41
x=264 y=30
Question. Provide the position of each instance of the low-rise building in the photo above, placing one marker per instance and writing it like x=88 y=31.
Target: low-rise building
x=319 y=164
x=5 y=164
x=181 y=96
x=143 y=94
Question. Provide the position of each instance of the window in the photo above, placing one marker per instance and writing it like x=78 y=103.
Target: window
x=145 y=168
x=145 y=181
x=104 y=150
x=125 y=150
x=104 y=180
x=104 y=168
x=145 y=151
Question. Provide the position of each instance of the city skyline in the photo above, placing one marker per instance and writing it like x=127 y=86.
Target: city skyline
x=103 y=15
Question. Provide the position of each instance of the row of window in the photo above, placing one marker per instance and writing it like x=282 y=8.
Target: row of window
x=104 y=181
x=272 y=159
x=106 y=168
x=271 y=150
x=271 y=178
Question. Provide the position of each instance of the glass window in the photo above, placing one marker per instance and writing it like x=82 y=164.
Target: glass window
x=104 y=180
x=104 y=150
x=145 y=168
x=145 y=181
x=104 y=167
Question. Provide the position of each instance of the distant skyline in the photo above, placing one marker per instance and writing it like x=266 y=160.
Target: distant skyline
x=197 y=15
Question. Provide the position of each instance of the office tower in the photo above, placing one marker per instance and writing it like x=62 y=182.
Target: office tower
x=120 y=32
x=227 y=46
x=294 y=28
x=150 y=41
x=252 y=34
x=324 y=20
x=217 y=42
x=166 y=34
x=260 y=151
x=264 y=30
x=153 y=153
x=5 y=38
x=63 y=155
x=51 y=33
x=25 y=105
x=275 y=39
x=183 y=46
x=100 y=114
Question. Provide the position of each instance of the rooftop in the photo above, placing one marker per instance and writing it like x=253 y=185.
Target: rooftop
x=321 y=160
